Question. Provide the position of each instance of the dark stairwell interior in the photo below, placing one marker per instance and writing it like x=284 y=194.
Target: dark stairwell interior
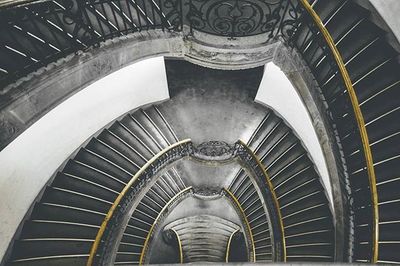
x=209 y=175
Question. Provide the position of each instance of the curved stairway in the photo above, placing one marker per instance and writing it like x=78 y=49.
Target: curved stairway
x=307 y=218
x=250 y=201
x=204 y=238
x=145 y=215
x=374 y=70
x=42 y=32
x=64 y=223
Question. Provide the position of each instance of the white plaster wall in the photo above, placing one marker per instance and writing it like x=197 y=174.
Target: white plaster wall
x=56 y=135
x=277 y=92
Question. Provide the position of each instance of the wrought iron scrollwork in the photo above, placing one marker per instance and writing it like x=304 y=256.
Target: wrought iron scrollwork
x=240 y=18
x=214 y=151
x=173 y=14
x=40 y=32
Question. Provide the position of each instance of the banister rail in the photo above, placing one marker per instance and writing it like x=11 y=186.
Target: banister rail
x=247 y=226
x=15 y=3
x=213 y=151
x=39 y=32
x=332 y=51
x=36 y=33
x=176 y=198
x=147 y=171
x=258 y=169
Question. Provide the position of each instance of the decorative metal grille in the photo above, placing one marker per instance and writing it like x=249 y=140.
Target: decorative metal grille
x=240 y=18
x=36 y=33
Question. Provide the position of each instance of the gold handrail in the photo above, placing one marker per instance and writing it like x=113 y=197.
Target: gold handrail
x=228 y=246
x=360 y=124
x=274 y=198
x=146 y=242
x=110 y=213
x=179 y=245
x=237 y=203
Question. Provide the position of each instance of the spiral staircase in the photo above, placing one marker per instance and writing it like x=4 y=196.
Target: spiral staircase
x=141 y=191
x=64 y=223
x=373 y=68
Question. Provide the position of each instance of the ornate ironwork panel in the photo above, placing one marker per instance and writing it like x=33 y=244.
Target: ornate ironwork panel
x=36 y=33
x=240 y=18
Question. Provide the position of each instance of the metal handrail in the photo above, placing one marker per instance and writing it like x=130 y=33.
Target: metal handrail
x=246 y=222
x=219 y=152
x=228 y=245
x=156 y=221
x=15 y=3
x=276 y=206
x=360 y=124
x=56 y=29
x=179 y=246
x=122 y=194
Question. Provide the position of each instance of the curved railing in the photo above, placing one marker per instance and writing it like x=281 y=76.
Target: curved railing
x=318 y=31
x=173 y=201
x=131 y=190
x=258 y=169
x=228 y=245
x=36 y=33
x=247 y=227
x=240 y=18
x=215 y=152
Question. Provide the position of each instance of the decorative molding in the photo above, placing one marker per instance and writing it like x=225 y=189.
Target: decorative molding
x=221 y=53
x=207 y=193
x=214 y=151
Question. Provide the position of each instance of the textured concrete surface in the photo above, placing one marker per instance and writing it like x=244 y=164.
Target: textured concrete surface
x=191 y=93
x=200 y=175
x=278 y=93
x=219 y=105
x=389 y=11
x=31 y=97
x=221 y=52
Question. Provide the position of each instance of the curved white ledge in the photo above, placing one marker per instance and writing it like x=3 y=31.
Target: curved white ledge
x=278 y=93
x=27 y=163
